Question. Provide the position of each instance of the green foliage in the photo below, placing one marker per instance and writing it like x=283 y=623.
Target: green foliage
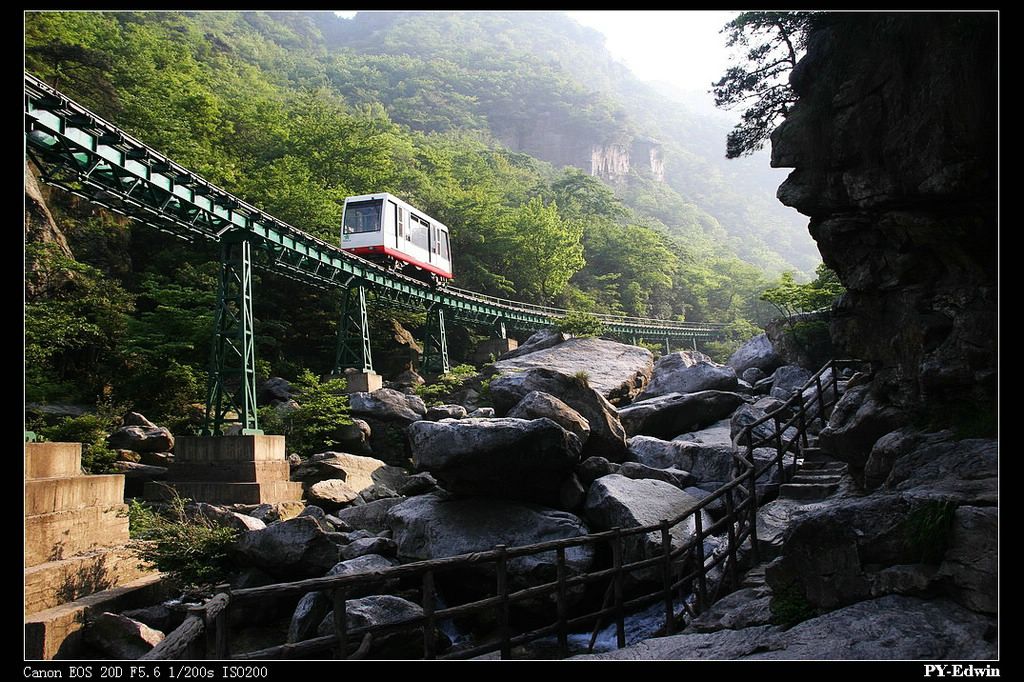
x=581 y=324
x=316 y=425
x=774 y=42
x=75 y=322
x=789 y=606
x=90 y=430
x=439 y=392
x=791 y=299
x=295 y=111
x=189 y=549
x=582 y=378
x=735 y=333
x=927 y=527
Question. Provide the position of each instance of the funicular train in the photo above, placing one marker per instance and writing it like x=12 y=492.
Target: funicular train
x=384 y=229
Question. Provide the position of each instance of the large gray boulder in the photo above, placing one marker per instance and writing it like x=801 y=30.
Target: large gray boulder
x=121 y=637
x=616 y=370
x=331 y=494
x=788 y=378
x=225 y=517
x=715 y=434
x=384 y=609
x=704 y=462
x=607 y=436
x=858 y=420
x=965 y=471
x=748 y=415
x=615 y=501
x=537 y=404
x=274 y=389
x=369 y=516
x=888 y=628
x=680 y=373
x=971 y=562
x=545 y=338
x=290 y=550
x=435 y=526
x=387 y=405
x=757 y=352
x=439 y=412
x=359 y=473
x=141 y=439
x=511 y=458
x=670 y=415
x=894 y=445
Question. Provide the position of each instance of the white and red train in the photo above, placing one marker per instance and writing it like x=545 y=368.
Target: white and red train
x=383 y=228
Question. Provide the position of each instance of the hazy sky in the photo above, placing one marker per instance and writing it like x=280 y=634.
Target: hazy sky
x=680 y=47
x=684 y=48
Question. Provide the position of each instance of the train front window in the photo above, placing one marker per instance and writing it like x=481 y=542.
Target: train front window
x=362 y=216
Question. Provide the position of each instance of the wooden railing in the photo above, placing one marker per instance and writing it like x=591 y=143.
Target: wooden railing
x=688 y=576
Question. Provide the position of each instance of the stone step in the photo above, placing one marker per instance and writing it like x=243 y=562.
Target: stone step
x=58 y=582
x=53 y=460
x=822 y=465
x=57 y=632
x=46 y=495
x=754 y=577
x=807 y=478
x=220 y=492
x=262 y=471
x=54 y=536
x=807 y=491
x=229 y=449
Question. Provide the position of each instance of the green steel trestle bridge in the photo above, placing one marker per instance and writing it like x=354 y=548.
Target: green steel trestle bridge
x=80 y=152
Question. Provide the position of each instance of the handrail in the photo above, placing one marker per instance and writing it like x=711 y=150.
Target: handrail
x=739 y=524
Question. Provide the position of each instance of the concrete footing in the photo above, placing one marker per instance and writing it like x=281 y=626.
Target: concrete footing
x=76 y=554
x=228 y=470
x=363 y=382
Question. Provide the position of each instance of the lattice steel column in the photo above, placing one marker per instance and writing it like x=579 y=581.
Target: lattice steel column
x=353 y=350
x=435 y=345
x=232 y=383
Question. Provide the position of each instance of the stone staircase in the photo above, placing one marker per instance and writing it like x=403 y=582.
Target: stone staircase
x=77 y=562
x=818 y=477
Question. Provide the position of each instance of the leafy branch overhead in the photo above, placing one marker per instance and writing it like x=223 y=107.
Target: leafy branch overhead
x=773 y=41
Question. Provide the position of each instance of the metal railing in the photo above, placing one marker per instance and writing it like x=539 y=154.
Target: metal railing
x=685 y=574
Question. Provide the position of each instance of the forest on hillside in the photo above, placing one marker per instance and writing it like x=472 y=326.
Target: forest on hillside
x=295 y=111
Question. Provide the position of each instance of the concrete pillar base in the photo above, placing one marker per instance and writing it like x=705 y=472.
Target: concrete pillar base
x=493 y=347
x=363 y=382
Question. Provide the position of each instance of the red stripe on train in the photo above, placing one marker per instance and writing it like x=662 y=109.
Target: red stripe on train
x=398 y=255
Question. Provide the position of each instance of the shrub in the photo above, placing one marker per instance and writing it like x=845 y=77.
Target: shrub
x=581 y=324
x=191 y=551
x=314 y=426
x=440 y=391
x=789 y=606
x=927 y=528
x=91 y=430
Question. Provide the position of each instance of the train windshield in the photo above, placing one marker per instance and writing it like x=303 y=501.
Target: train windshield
x=362 y=216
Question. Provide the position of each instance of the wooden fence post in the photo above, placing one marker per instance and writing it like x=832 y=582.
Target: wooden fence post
x=666 y=567
x=502 y=571
x=429 y=645
x=620 y=623
x=340 y=623
x=563 y=606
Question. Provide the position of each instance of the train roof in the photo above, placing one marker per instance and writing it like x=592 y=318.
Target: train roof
x=392 y=197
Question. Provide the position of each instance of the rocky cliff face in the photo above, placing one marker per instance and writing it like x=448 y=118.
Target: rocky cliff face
x=893 y=142
x=547 y=138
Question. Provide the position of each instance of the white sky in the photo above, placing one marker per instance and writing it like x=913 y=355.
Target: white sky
x=684 y=48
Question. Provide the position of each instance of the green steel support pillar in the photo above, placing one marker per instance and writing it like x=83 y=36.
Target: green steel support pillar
x=435 y=345
x=353 y=349
x=499 y=329
x=668 y=348
x=231 y=394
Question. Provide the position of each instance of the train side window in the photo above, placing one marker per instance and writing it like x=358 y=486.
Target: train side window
x=445 y=247
x=399 y=223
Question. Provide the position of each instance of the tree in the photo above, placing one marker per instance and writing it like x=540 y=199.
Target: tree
x=545 y=251
x=775 y=41
x=791 y=299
